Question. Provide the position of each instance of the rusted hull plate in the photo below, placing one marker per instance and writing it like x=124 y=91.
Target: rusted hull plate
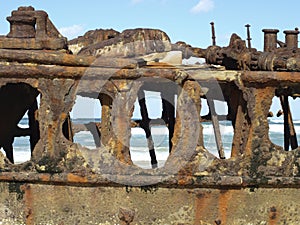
x=24 y=203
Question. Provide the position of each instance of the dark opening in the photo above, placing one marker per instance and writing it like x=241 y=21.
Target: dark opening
x=19 y=129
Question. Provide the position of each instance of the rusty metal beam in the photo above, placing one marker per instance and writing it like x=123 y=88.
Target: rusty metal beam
x=64 y=59
x=270 y=78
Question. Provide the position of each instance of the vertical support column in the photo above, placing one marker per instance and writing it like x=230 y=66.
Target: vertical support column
x=145 y=124
x=290 y=137
x=116 y=118
x=168 y=114
x=259 y=101
x=188 y=135
x=121 y=126
x=106 y=129
x=215 y=122
x=33 y=125
x=237 y=109
x=57 y=97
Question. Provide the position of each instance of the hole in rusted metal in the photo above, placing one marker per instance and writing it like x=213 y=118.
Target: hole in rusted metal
x=209 y=130
x=149 y=143
x=19 y=131
x=284 y=122
x=86 y=122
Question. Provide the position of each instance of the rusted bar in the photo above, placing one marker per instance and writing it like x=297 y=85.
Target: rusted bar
x=24 y=70
x=248 y=35
x=168 y=113
x=94 y=129
x=50 y=71
x=284 y=103
x=16 y=70
x=270 y=77
x=215 y=122
x=213 y=33
x=64 y=59
x=33 y=125
x=290 y=137
x=106 y=126
x=145 y=124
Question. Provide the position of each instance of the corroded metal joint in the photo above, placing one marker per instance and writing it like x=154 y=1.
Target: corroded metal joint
x=212 y=55
x=266 y=61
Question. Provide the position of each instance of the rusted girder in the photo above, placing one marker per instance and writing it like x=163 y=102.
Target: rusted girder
x=266 y=78
x=64 y=59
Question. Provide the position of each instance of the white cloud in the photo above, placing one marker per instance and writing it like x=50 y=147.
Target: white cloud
x=72 y=31
x=203 y=6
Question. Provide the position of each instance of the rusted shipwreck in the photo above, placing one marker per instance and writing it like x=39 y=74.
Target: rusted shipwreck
x=65 y=183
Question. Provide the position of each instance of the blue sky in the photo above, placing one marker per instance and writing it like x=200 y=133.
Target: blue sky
x=182 y=20
x=185 y=20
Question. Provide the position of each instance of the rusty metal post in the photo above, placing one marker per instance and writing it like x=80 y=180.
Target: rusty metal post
x=145 y=125
x=248 y=35
x=106 y=127
x=213 y=33
x=33 y=125
x=291 y=38
x=290 y=136
x=215 y=122
x=284 y=102
x=270 y=39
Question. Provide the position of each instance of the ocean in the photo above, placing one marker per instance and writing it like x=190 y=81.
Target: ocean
x=138 y=143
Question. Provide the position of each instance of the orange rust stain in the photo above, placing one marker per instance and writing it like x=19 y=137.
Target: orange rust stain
x=249 y=142
x=28 y=201
x=5 y=177
x=184 y=180
x=77 y=179
x=225 y=197
x=44 y=177
x=273 y=216
x=201 y=207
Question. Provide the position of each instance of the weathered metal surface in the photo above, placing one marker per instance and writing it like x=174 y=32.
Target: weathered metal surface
x=27 y=204
x=66 y=183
